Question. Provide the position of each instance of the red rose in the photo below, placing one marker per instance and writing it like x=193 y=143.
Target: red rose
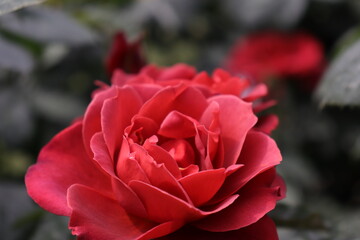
x=179 y=161
x=124 y=55
x=276 y=54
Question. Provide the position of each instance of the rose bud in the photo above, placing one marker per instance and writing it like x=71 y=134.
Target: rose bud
x=124 y=55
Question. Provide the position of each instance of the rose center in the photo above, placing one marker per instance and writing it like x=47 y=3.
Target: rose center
x=181 y=151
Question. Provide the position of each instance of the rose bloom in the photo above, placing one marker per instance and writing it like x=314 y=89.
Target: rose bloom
x=277 y=54
x=167 y=153
x=125 y=55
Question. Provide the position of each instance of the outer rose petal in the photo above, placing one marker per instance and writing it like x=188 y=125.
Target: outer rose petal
x=279 y=181
x=264 y=229
x=267 y=123
x=62 y=163
x=101 y=217
x=256 y=199
x=260 y=90
x=162 y=230
x=92 y=120
x=163 y=207
x=259 y=154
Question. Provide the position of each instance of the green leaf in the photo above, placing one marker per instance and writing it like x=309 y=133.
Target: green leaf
x=340 y=85
x=12 y=5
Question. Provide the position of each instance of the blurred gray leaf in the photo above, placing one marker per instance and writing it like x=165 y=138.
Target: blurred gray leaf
x=46 y=25
x=53 y=54
x=170 y=15
x=12 y=5
x=341 y=82
x=296 y=234
x=14 y=204
x=52 y=227
x=297 y=170
x=16 y=119
x=349 y=38
x=57 y=106
x=253 y=14
x=14 y=57
x=343 y=222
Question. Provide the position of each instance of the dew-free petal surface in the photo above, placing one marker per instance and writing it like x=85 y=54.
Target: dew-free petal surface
x=264 y=229
x=95 y=216
x=58 y=168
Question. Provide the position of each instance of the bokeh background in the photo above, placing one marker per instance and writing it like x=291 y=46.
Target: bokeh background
x=51 y=54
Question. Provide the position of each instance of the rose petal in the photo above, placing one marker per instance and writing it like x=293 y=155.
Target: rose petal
x=162 y=156
x=202 y=186
x=232 y=85
x=209 y=136
x=279 y=181
x=203 y=78
x=163 y=207
x=178 y=125
x=260 y=90
x=127 y=167
x=181 y=151
x=256 y=199
x=101 y=154
x=146 y=91
x=177 y=71
x=235 y=118
x=220 y=75
x=178 y=98
x=161 y=230
x=259 y=154
x=128 y=199
x=267 y=123
x=264 y=229
x=210 y=209
x=120 y=78
x=189 y=170
x=141 y=128
x=264 y=105
x=157 y=174
x=58 y=168
x=92 y=117
x=101 y=217
x=233 y=168
x=116 y=115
